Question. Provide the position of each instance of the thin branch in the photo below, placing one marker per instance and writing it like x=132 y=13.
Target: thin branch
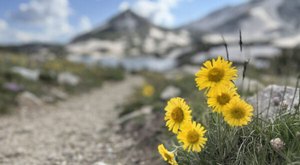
x=241 y=41
x=226 y=47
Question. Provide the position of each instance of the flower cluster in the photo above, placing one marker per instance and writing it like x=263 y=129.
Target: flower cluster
x=179 y=120
x=216 y=78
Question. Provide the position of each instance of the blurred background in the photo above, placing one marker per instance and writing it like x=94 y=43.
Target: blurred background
x=55 y=51
x=156 y=35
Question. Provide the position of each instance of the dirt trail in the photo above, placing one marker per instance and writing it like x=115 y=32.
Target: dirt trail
x=75 y=132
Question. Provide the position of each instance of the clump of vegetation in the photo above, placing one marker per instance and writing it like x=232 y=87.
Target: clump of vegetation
x=146 y=95
x=159 y=82
x=251 y=144
x=255 y=141
x=216 y=77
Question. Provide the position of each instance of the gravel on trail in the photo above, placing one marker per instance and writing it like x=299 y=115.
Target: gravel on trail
x=78 y=131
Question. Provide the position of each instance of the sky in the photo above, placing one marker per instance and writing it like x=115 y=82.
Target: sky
x=23 y=21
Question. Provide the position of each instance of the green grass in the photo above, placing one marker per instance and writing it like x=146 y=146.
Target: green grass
x=249 y=144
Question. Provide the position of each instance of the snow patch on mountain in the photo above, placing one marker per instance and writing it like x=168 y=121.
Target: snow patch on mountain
x=156 y=33
x=97 y=47
x=269 y=22
x=273 y=21
x=288 y=42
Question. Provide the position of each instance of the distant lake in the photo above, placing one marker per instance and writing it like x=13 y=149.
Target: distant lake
x=129 y=63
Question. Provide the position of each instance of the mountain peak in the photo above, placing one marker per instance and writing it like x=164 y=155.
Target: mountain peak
x=128 y=11
x=128 y=33
x=128 y=20
x=124 y=22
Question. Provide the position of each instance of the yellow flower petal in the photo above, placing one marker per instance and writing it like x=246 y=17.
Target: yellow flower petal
x=216 y=73
x=167 y=155
x=218 y=99
x=238 y=112
x=177 y=114
x=192 y=137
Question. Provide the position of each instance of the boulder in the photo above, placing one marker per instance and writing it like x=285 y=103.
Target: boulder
x=145 y=110
x=170 y=92
x=28 y=100
x=275 y=100
x=59 y=94
x=27 y=73
x=67 y=78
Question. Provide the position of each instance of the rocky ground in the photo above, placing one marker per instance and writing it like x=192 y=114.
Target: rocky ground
x=79 y=131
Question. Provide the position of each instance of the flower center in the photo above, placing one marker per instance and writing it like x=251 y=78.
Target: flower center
x=215 y=74
x=177 y=114
x=192 y=136
x=223 y=99
x=237 y=113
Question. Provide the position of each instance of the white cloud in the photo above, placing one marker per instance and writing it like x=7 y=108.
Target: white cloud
x=51 y=16
x=42 y=20
x=85 y=24
x=124 y=6
x=11 y=35
x=3 y=24
x=159 y=11
x=164 y=17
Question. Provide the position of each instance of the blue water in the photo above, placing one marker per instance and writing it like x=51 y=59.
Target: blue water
x=128 y=63
x=140 y=63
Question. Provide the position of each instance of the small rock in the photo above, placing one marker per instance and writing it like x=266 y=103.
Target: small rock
x=277 y=144
x=100 y=163
x=29 y=100
x=27 y=73
x=170 y=92
x=67 y=78
x=274 y=100
x=143 y=111
x=48 y=99
x=21 y=151
x=284 y=105
x=58 y=93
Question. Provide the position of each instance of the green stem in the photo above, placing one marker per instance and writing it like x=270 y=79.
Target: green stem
x=219 y=133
